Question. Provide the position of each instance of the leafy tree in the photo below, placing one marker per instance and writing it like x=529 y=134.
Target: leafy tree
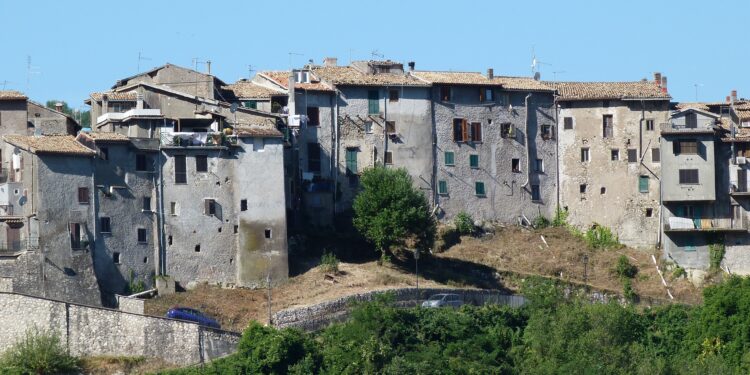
x=84 y=117
x=390 y=210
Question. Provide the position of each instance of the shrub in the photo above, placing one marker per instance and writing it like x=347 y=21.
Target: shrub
x=561 y=218
x=329 y=263
x=625 y=269
x=39 y=352
x=627 y=290
x=716 y=255
x=135 y=285
x=464 y=223
x=600 y=237
x=541 y=222
x=678 y=272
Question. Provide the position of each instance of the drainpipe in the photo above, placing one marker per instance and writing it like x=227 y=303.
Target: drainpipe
x=526 y=134
x=159 y=184
x=640 y=130
x=557 y=148
x=335 y=170
x=385 y=126
x=433 y=180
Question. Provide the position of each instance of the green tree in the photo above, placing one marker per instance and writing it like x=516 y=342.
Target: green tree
x=83 y=117
x=389 y=210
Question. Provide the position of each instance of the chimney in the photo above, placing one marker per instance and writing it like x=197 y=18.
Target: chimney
x=734 y=95
x=412 y=64
x=208 y=66
x=139 y=101
x=330 y=61
x=664 y=84
x=657 y=78
x=729 y=99
x=490 y=73
x=58 y=107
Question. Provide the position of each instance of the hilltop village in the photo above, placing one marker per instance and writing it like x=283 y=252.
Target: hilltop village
x=184 y=178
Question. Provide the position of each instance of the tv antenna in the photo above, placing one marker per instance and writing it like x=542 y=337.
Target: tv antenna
x=290 y=57
x=5 y=83
x=535 y=63
x=375 y=53
x=141 y=58
x=196 y=61
x=250 y=71
x=696 y=85
x=30 y=70
x=554 y=74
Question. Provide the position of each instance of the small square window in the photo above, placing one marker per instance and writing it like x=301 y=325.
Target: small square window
x=585 y=155
x=547 y=132
x=393 y=95
x=116 y=258
x=649 y=212
x=582 y=188
x=236 y=229
x=173 y=208
x=83 y=195
x=603 y=190
x=474 y=161
x=243 y=205
x=267 y=233
x=655 y=155
x=567 y=123
x=632 y=155
x=368 y=127
x=313 y=116
x=643 y=184
x=201 y=163
x=141 y=162
x=197 y=248
x=449 y=158
x=649 y=125
x=442 y=187
x=105 y=225
x=515 y=165
x=146 y=203
x=615 y=154
x=479 y=189
x=209 y=207
x=388 y=157
x=507 y=130
x=142 y=238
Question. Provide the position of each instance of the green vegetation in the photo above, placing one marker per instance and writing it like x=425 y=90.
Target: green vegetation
x=329 y=263
x=561 y=218
x=624 y=269
x=135 y=285
x=678 y=272
x=600 y=237
x=541 y=222
x=83 y=117
x=551 y=335
x=464 y=224
x=716 y=255
x=389 y=211
x=39 y=352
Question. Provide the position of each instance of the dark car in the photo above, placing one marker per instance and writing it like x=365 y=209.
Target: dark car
x=184 y=313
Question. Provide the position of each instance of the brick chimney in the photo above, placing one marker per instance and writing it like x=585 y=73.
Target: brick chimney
x=490 y=73
x=729 y=99
x=330 y=61
x=664 y=84
x=657 y=78
x=734 y=95
x=59 y=107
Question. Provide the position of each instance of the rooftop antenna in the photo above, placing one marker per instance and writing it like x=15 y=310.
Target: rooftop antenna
x=290 y=58
x=696 y=85
x=554 y=74
x=196 y=61
x=375 y=53
x=5 y=83
x=30 y=70
x=250 y=71
x=350 y=55
x=141 y=58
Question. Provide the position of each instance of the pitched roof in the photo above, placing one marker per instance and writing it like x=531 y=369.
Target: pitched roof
x=457 y=78
x=49 y=144
x=349 y=76
x=609 y=90
x=522 y=84
x=250 y=90
x=12 y=95
x=114 y=95
x=99 y=136
x=281 y=78
x=701 y=106
x=257 y=131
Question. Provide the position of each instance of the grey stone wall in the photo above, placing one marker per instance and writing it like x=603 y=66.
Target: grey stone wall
x=13 y=117
x=131 y=305
x=91 y=331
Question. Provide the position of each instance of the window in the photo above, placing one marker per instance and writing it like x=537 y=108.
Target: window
x=351 y=161
x=388 y=157
x=236 y=229
x=442 y=187
x=180 y=170
x=267 y=233
x=568 y=123
x=201 y=163
x=655 y=155
x=116 y=257
x=479 y=189
x=632 y=155
x=615 y=154
x=105 y=225
x=489 y=95
x=390 y=127
x=393 y=95
x=650 y=125
x=313 y=116
x=243 y=205
x=686 y=147
x=536 y=194
x=173 y=208
x=76 y=242
x=691 y=120
x=649 y=212
x=507 y=130
x=83 y=195
x=476 y=132
x=250 y=104
x=585 y=155
x=607 y=126
x=688 y=176
x=515 y=165
x=603 y=190
x=197 y=248
x=209 y=207
x=169 y=240
x=313 y=157
x=368 y=127
x=445 y=93
x=539 y=166
x=460 y=130
x=474 y=161
x=141 y=163
x=643 y=184
x=146 y=203
x=449 y=158
x=373 y=102
x=547 y=132
x=582 y=188
x=142 y=235
x=104 y=153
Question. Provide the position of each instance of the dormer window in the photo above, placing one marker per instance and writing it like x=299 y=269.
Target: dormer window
x=302 y=77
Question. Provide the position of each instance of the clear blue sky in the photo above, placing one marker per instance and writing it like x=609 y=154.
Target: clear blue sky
x=80 y=47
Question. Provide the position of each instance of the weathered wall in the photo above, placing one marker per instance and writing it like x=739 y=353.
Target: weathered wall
x=705 y=162
x=46 y=121
x=13 y=117
x=612 y=184
x=506 y=198
x=91 y=331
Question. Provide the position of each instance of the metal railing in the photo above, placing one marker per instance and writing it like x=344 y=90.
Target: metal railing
x=185 y=139
x=711 y=224
x=670 y=127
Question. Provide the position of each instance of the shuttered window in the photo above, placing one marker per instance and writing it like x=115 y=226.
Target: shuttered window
x=75 y=236
x=689 y=176
x=685 y=147
x=536 y=194
x=83 y=195
x=351 y=161
x=476 y=132
x=442 y=187
x=655 y=155
x=479 y=188
x=643 y=184
x=607 y=126
x=201 y=163
x=474 y=161
x=567 y=123
x=632 y=155
x=373 y=102
x=461 y=131
x=180 y=170
x=449 y=158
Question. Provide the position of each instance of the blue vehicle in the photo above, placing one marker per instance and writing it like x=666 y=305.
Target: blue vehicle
x=184 y=313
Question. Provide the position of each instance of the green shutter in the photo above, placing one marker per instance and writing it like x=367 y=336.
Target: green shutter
x=697 y=216
x=449 y=158
x=442 y=187
x=251 y=104
x=373 y=102
x=474 y=161
x=479 y=188
x=643 y=184
x=351 y=162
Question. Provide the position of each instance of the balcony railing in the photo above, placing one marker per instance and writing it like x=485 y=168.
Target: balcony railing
x=135 y=112
x=680 y=224
x=197 y=139
x=669 y=127
x=18 y=246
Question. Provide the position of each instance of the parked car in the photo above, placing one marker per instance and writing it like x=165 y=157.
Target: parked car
x=184 y=313
x=443 y=300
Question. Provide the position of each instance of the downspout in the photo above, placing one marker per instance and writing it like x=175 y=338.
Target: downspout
x=160 y=215
x=385 y=126
x=335 y=169
x=433 y=180
x=640 y=130
x=526 y=134
x=557 y=149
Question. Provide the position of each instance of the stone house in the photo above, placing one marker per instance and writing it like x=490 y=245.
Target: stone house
x=13 y=114
x=47 y=121
x=495 y=149
x=609 y=155
x=47 y=204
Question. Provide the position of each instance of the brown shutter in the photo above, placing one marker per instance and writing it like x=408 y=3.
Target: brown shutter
x=464 y=130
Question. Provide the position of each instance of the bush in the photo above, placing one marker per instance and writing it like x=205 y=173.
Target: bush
x=716 y=255
x=541 y=222
x=329 y=263
x=600 y=237
x=624 y=269
x=39 y=352
x=561 y=218
x=678 y=272
x=464 y=224
x=627 y=290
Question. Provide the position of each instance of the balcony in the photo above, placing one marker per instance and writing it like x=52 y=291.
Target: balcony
x=670 y=128
x=127 y=115
x=197 y=139
x=15 y=248
x=687 y=225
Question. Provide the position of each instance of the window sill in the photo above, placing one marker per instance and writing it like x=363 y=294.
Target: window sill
x=539 y=201
x=450 y=165
x=142 y=243
x=480 y=195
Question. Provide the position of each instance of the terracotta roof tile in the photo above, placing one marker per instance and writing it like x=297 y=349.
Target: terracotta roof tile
x=347 y=75
x=701 y=106
x=522 y=84
x=458 y=78
x=609 y=90
x=250 y=90
x=257 y=131
x=99 y=136
x=114 y=95
x=282 y=78
x=49 y=144
x=12 y=95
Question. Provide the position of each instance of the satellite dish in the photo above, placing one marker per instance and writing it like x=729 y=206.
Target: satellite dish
x=233 y=107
